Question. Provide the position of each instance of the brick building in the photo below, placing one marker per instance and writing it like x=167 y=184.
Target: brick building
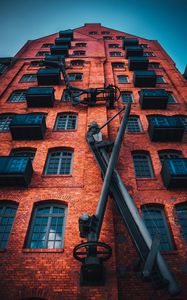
x=49 y=177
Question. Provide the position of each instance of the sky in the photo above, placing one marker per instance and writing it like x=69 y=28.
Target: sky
x=162 y=20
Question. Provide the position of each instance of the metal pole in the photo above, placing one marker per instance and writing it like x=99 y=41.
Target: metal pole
x=111 y=166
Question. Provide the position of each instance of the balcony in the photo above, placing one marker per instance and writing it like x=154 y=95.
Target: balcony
x=174 y=173
x=133 y=51
x=130 y=42
x=40 y=97
x=165 y=129
x=60 y=50
x=138 y=63
x=28 y=126
x=55 y=57
x=48 y=76
x=66 y=34
x=144 y=78
x=15 y=171
x=153 y=99
x=63 y=41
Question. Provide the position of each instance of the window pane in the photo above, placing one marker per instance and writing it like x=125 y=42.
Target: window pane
x=59 y=163
x=47 y=227
x=133 y=124
x=7 y=215
x=23 y=153
x=168 y=155
x=5 y=122
x=142 y=165
x=156 y=222
x=18 y=96
x=28 y=78
x=122 y=79
x=66 y=121
x=126 y=97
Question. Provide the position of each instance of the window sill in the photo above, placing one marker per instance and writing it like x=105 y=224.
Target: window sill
x=146 y=178
x=56 y=175
x=43 y=250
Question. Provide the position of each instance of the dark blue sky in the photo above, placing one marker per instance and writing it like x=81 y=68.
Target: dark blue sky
x=164 y=20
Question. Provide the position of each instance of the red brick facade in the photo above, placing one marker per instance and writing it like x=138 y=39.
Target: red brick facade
x=53 y=273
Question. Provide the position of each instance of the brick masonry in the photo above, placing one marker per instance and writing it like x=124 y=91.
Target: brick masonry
x=54 y=274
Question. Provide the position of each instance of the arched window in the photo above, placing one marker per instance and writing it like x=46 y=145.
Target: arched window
x=133 y=124
x=47 y=226
x=155 y=221
x=142 y=165
x=17 y=96
x=66 y=121
x=77 y=62
x=23 y=152
x=7 y=215
x=5 y=120
x=181 y=214
x=59 y=162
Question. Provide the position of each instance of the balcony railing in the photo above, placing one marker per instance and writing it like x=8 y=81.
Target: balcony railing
x=66 y=34
x=174 y=173
x=130 y=42
x=40 y=97
x=60 y=50
x=15 y=171
x=48 y=76
x=28 y=126
x=144 y=78
x=138 y=63
x=165 y=129
x=133 y=51
x=63 y=41
x=153 y=99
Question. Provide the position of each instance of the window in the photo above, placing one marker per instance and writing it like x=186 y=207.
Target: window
x=126 y=97
x=154 y=65
x=36 y=63
x=93 y=32
x=155 y=221
x=105 y=32
x=67 y=98
x=169 y=154
x=18 y=96
x=5 y=121
x=148 y=54
x=59 y=162
x=160 y=79
x=113 y=45
x=144 y=46
x=123 y=79
x=29 y=78
x=47 y=226
x=171 y=98
x=142 y=165
x=42 y=53
x=66 y=121
x=75 y=76
x=23 y=153
x=181 y=213
x=7 y=215
x=3 y=68
x=47 y=45
x=115 y=53
x=183 y=119
x=106 y=37
x=118 y=65
x=77 y=63
x=80 y=52
x=133 y=124
x=120 y=37
x=80 y=44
